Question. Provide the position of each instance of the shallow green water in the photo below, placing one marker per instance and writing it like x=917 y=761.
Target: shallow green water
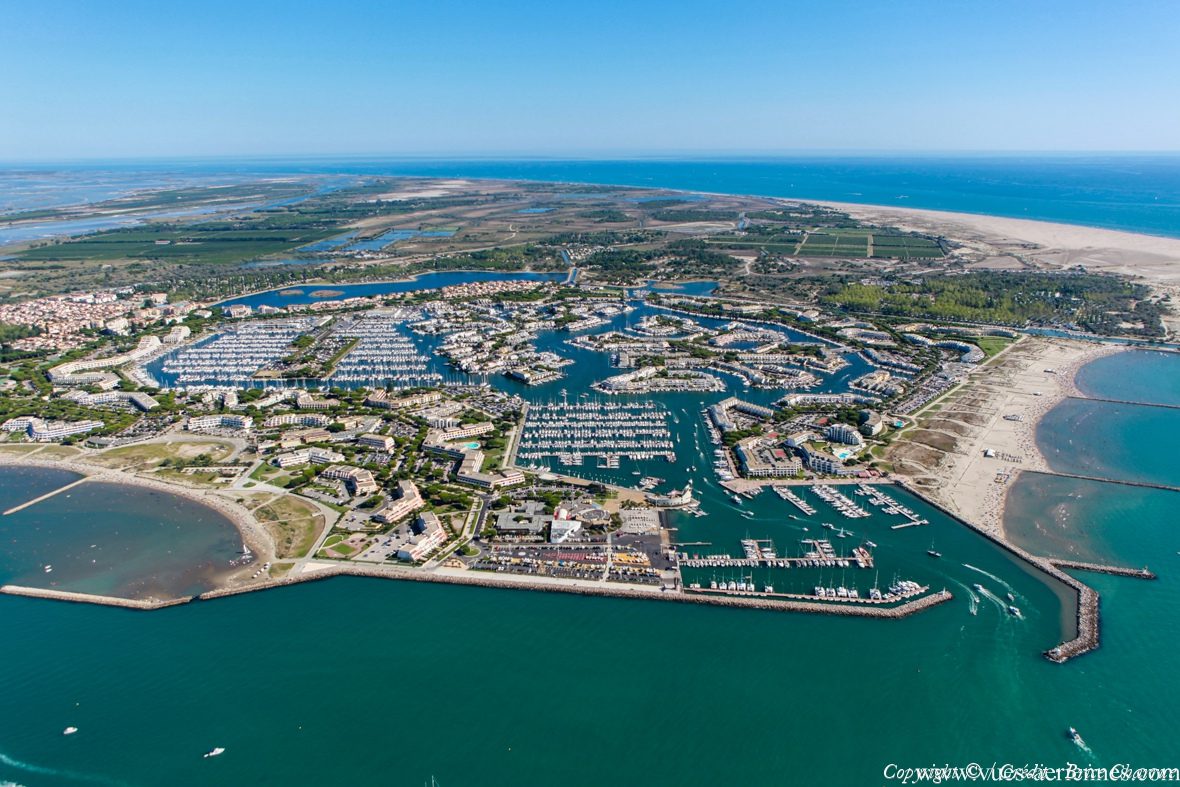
x=109 y=539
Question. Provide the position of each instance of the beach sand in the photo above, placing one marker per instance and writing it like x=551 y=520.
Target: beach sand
x=944 y=456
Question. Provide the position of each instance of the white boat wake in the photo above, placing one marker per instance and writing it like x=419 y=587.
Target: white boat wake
x=991 y=576
x=972 y=599
x=42 y=770
x=1081 y=744
x=992 y=597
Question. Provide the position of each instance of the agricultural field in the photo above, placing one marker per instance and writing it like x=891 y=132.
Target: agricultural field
x=835 y=244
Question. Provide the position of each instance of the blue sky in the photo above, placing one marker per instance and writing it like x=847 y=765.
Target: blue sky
x=212 y=78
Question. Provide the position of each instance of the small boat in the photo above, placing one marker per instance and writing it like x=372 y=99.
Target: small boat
x=69 y=730
x=214 y=752
x=1075 y=737
x=871 y=544
x=1014 y=611
x=48 y=568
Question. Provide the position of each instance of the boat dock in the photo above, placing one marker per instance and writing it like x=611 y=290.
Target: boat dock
x=839 y=502
x=820 y=555
x=795 y=500
x=890 y=506
x=605 y=430
x=904 y=595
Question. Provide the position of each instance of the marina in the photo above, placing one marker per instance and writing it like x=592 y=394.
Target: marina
x=795 y=500
x=839 y=502
x=382 y=354
x=234 y=355
x=573 y=431
x=814 y=553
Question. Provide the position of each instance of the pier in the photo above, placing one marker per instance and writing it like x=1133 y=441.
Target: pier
x=47 y=495
x=88 y=598
x=1098 y=568
x=1125 y=401
x=1140 y=484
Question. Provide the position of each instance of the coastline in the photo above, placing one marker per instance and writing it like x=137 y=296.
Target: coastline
x=1016 y=383
x=252 y=533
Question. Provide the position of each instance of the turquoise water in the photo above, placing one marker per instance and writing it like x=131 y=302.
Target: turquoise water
x=1125 y=442
x=1137 y=376
x=110 y=540
x=379 y=682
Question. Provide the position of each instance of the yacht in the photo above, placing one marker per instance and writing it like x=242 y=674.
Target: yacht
x=214 y=752
x=72 y=730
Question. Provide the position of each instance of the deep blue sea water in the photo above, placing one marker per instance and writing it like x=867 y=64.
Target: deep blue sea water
x=1138 y=193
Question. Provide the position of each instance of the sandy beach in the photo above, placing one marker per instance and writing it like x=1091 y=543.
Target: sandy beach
x=996 y=411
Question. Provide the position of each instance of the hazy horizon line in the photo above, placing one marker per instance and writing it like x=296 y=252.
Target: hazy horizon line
x=686 y=155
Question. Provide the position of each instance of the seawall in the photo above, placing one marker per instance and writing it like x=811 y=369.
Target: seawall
x=487 y=581
x=1087 y=638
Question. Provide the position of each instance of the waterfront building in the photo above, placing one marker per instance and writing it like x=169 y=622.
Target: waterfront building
x=818 y=461
x=470 y=430
x=673 y=499
x=69 y=373
x=43 y=431
x=429 y=534
x=760 y=457
x=122 y=399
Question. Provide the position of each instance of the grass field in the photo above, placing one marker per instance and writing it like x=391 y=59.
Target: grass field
x=991 y=344
x=294 y=524
x=146 y=455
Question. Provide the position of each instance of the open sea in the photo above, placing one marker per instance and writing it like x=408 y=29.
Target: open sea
x=1136 y=193
x=357 y=681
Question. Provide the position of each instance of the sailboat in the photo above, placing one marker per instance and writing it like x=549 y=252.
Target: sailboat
x=932 y=551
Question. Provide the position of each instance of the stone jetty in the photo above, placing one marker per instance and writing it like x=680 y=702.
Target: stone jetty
x=1087 y=637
